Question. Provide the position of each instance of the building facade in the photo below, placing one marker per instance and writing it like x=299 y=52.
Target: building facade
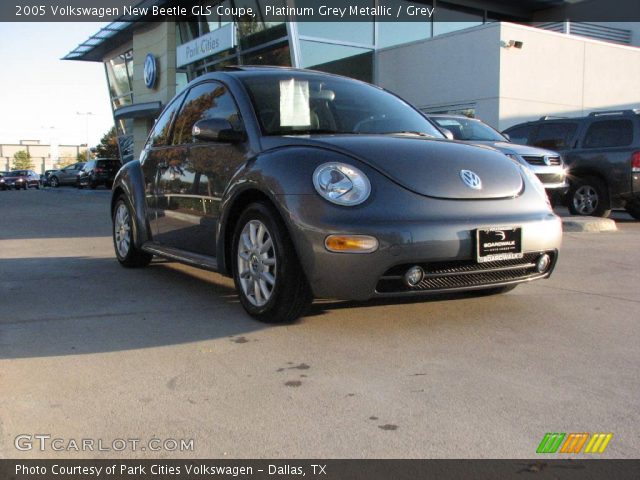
x=43 y=156
x=435 y=64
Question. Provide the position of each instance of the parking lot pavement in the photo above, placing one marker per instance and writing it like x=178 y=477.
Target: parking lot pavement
x=91 y=350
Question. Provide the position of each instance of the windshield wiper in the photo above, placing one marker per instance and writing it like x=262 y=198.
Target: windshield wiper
x=412 y=132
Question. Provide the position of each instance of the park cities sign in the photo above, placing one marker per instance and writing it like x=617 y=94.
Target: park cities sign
x=219 y=40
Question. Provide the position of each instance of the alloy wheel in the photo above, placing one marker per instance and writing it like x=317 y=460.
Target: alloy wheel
x=257 y=265
x=585 y=200
x=122 y=230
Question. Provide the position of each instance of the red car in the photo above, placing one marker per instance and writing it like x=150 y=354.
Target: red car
x=20 y=179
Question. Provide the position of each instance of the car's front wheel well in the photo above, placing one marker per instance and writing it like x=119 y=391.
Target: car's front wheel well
x=119 y=191
x=243 y=200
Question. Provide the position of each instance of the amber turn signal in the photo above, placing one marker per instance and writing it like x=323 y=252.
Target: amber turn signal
x=351 y=243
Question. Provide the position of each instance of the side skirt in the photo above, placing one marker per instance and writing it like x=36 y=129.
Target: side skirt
x=182 y=256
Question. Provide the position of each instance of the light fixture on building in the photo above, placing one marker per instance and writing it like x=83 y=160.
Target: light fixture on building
x=512 y=44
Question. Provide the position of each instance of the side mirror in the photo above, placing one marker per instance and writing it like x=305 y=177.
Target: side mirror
x=216 y=130
x=447 y=133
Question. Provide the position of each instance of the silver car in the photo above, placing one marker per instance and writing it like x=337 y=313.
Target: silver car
x=546 y=164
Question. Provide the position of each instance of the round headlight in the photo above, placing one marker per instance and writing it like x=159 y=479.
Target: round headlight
x=341 y=184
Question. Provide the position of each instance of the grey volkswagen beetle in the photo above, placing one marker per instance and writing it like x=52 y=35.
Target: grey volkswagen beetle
x=301 y=184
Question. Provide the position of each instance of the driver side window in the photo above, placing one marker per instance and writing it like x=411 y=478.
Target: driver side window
x=205 y=101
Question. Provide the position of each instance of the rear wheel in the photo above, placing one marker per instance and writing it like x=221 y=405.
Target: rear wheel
x=127 y=253
x=266 y=271
x=589 y=196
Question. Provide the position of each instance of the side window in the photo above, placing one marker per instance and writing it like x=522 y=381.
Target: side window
x=160 y=133
x=520 y=135
x=555 y=136
x=207 y=100
x=609 y=133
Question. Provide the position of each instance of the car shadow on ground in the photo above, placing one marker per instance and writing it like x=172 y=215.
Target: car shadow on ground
x=77 y=305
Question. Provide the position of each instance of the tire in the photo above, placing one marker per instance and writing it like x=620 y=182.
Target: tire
x=54 y=182
x=589 y=196
x=633 y=209
x=37 y=186
x=122 y=229
x=277 y=290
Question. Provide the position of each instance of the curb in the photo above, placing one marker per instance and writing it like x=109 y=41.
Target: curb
x=588 y=224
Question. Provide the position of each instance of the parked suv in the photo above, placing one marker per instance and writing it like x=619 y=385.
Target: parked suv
x=101 y=171
x=546 y=164
x=66 y=176
x=602 y=152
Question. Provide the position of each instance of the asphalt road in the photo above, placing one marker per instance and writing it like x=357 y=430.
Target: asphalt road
x=89 y=350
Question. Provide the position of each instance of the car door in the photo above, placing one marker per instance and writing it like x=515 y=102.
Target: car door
x=156 y=157
x=190 y=189
x=606 y=147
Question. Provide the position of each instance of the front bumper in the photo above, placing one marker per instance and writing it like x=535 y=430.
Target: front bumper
x=443 y=243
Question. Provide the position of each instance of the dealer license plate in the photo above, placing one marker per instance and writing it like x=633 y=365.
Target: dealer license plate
x=498 y=243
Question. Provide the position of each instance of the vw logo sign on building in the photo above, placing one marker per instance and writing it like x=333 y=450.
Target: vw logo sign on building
x=150 y=71
x=471 y=179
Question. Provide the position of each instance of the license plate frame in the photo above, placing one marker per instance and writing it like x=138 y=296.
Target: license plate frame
x=494 y=244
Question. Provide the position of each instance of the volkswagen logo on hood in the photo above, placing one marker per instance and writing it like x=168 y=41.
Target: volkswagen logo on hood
x=471 y=179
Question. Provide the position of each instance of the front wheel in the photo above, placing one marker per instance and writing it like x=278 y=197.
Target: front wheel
x=54 y=182
x=127 y=253
x=266 y=271
x=589 y=196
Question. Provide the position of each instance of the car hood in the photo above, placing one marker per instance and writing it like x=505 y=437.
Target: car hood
x=506 y=147
x=426 y=166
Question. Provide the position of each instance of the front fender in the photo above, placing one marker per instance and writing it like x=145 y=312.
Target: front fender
x=129 y=182
x=272 y=174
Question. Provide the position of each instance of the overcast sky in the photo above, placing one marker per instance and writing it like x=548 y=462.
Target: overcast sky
x=39 y=91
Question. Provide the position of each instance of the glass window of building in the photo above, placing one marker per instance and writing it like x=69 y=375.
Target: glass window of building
x=120 y=78
x=352 y=62
x=396 y=33
x=276 y=55
x=450 y=18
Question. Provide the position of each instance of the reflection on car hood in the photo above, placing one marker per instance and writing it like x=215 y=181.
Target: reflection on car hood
x=516 y=148
x=426 y=166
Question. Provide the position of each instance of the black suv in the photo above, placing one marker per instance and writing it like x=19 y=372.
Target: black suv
x=101 y=171
x=602 y=152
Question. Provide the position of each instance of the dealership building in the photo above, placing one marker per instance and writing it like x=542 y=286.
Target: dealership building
x=480 y=58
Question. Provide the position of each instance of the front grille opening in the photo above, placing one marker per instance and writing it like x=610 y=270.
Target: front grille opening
x=462 y=274
x=540 y=160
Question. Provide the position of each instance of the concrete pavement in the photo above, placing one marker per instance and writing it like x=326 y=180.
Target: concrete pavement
x=91 y=350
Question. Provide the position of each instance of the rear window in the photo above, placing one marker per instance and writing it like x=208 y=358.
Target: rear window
x=609 y=133
x=555 y=136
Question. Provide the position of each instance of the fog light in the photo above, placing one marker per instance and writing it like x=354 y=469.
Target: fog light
x=413 y=276
x=351 y=243
x=542 y=265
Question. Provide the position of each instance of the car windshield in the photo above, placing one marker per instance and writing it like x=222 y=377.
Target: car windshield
x=466 y=129
x=306 y=103
x=19 y=173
